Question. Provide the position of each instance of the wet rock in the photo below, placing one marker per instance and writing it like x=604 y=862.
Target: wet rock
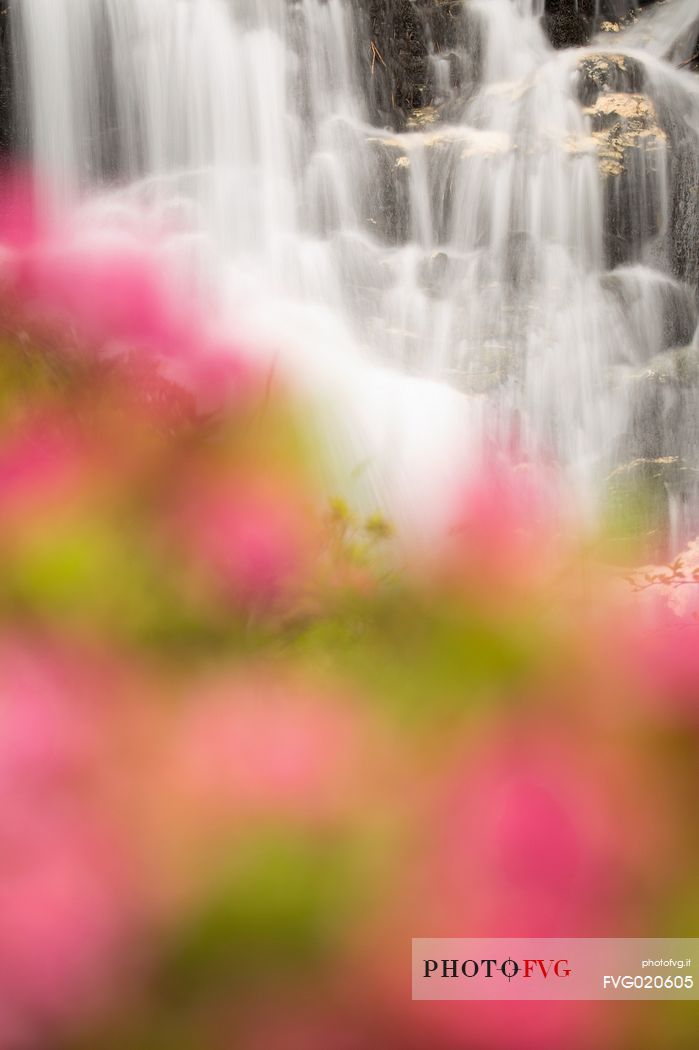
x=631 y=152
x=521 y=260
x=683 y=177
x=454 y=34
x=613 y=15
x=482 y=367
x=365 y=271
x=634 y=113
x=685 y=215
x=7 y=125
x=388 y=196
x=680 y=366
x=693 y=63
x=652 y=485
x=434 y=274
x=422 y=117
x=606 y=72
x=447 y=23
x=679 y=315
x=571 y=23
x=639 y=495
x=434 y=151
x=398 y=76
x=665 y=401
x=659 y=313
x=567 y=24
x=405 y=36
x=676 y=116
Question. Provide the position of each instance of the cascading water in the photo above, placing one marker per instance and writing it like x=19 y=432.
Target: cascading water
x=516 y=264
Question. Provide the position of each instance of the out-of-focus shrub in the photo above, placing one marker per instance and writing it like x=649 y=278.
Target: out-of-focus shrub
x=250 y=744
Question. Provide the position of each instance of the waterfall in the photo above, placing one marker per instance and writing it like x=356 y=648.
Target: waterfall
x=514 y=262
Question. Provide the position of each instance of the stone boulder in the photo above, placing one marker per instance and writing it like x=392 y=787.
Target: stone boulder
x=605 y=73
x=660 y=313
x=631 y=151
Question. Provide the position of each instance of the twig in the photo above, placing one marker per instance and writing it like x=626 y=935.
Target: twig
x=375 y=53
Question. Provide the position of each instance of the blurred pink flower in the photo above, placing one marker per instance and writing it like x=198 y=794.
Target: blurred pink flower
x=260 y=746
x=111 y=293
x=659 y=643
x=249 y=534
x=505 y=527
x=48 y=722
x=67 y=901
x=559 y=829
x=517 y=1026
x=314 y=1027
x=42 y=465
x=533 y=832
x=661 y=654
x=65 y=922
x=20 y=222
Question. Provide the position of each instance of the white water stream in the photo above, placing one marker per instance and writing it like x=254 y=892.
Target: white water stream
x=500 y=271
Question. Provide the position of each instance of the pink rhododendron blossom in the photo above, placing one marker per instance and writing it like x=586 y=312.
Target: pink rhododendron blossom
x=516 y=1026
x=530 y=834
x=677 y=583
x=660 y=641
x=20 y=221
x=42 y=466
x=504 y=526
x=48 y=719
x=114 y=296
x=102 y=293
x=315 y=1028
x=197 y=664
x=268 y=747
x=661 y=650
x=250 y=534
x=65 y=920
x=110 y=293
x=67 y=902
x=556 y=827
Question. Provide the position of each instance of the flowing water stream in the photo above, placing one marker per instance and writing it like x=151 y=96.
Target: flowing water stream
x=515 y=266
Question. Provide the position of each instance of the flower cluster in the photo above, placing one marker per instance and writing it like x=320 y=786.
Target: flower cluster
x=251 y=744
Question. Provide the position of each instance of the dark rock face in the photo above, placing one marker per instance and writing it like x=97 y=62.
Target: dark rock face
x=444 y=21
x=571 y=23
x=648 y=155
x=683 y=179
x=6 y=86
x=397 y=69
x=694 y=61
x=607 y=72
x=631 y=151
x=388 y=207
x=661 y=314
x=567 y=23
x=665 y=403
x=684 y=175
